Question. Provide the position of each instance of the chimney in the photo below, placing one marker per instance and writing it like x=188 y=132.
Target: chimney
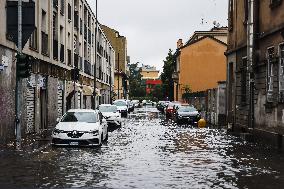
x=179 y=43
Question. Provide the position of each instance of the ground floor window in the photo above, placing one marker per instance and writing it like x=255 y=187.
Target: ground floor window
x=281 y=73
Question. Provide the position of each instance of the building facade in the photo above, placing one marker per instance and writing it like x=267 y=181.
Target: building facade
x=200 y=63
x=255 y=61
x=149 y=72
x=119 y=43
x=64 y=38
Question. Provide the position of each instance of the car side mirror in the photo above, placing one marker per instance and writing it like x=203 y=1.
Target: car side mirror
x=104 y=120
x=58 y=120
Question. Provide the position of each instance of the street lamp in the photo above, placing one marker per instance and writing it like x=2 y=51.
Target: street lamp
x=95 y=65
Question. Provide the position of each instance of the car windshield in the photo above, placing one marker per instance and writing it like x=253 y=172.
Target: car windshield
x=186 y=109
x=120 y=103
x=88 y=117
x=108 y=108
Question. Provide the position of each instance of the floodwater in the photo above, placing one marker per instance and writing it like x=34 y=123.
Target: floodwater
x=149 y=153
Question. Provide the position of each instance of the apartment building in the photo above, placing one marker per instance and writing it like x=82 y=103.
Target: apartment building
x=255 y=67
x=121 y=73
x=64 y=38
x=200 y=62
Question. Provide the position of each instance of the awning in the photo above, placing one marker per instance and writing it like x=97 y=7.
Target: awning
x=87 y=90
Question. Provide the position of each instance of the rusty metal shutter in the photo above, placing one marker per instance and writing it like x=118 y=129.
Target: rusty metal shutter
x=60 y=103
x=30 y=104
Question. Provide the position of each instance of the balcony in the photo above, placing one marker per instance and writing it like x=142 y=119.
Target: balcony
x=175 y=76
x=62 y=53
x=44 y=44
x=55 y=50
x=87 y=67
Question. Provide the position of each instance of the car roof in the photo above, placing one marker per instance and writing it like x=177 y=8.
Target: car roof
x=82 y=110
x=107 y=105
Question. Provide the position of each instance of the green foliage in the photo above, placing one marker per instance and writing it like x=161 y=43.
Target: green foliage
x=157 y=93
x=166 y=76
x=186 y=95
x=136 y=89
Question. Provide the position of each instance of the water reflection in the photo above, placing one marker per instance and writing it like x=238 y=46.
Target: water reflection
x=149 y=153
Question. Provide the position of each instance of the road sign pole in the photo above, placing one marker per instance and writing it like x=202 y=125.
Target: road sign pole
x=18 y=91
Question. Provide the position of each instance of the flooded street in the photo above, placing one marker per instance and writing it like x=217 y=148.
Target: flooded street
x=149 y=153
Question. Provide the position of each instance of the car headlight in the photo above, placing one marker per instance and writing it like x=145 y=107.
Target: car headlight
x=57 y=131
x=95 y=132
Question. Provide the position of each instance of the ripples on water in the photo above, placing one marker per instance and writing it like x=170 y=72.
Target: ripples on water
x=150 y=153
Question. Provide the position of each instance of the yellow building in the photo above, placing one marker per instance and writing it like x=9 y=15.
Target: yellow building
x=149 y=72
x=201 y=62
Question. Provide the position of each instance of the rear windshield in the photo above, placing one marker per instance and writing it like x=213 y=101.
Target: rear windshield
x=87 y=117
x=108 y=108
x=120 y=103
x=186 y=109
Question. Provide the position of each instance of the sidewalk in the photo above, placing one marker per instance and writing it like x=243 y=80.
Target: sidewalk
x=32 y=143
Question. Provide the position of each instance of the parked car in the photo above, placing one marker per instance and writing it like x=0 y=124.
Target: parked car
x=80 y=127
x=136 y=103
x=111 y=114
x=130 y=106
x=187 y=114
x=122 y=107
x=170 y=109
x=176 y=106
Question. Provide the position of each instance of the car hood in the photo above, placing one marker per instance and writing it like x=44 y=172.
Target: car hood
x=121 y=107
x=188 y=113
x=110 y=114
x=77 y=126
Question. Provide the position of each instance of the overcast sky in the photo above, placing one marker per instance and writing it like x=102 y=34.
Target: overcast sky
x=152 y=27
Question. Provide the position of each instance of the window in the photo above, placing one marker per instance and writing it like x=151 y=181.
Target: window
x=43 y=21
x=244 y=79
x=275 y=3
x=230 y=19
x=246 y=11
x=270 y=73
x=69 y=12
x=281 y=73
x=33 y=40
x=62 y=7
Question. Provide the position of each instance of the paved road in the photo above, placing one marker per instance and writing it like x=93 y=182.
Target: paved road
x=149 y=153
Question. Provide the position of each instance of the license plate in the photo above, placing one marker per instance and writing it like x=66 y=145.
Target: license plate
x=74 y=143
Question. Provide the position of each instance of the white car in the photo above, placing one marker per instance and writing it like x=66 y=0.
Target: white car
x=122 y=107
x=111 y=114
x=80 y=127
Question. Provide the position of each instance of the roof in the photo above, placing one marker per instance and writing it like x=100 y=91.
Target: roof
x=204 y=37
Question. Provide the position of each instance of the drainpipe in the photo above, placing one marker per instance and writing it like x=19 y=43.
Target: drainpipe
x=251 y=38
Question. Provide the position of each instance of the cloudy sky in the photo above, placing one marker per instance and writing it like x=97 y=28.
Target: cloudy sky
x=152 y=27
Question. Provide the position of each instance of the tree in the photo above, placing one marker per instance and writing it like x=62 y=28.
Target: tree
x=166 y=76
x=136 y=89
x=157 y=93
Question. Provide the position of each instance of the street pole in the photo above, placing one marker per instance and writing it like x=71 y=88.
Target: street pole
x=118 y=76
x=95 y=66
x=18 y=91
x=74 y=85
x=110 y=83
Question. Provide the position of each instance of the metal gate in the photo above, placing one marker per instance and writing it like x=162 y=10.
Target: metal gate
x=60 y=103
x=30 y=104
